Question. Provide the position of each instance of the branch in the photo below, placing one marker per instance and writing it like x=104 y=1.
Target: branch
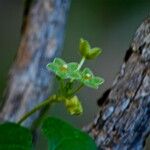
x=42 y=39
x=124 y=118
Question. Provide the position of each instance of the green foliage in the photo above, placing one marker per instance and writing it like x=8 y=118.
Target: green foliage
x=62 y=136
x=14 y=137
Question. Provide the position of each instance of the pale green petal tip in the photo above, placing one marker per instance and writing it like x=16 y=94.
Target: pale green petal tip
x=48 y=65
x=59 y=61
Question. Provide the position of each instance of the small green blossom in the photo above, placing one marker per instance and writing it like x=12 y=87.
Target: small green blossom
x=74 y=106
x=90 y=80
x=64 y=70
x=68 y=88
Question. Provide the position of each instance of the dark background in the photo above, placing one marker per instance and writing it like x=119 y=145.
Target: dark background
x=109 y=24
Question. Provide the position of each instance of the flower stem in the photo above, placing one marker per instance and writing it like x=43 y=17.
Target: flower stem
x=81 y=63
x=48 y=101
x=79 y=67
x=77 y=89
x=36 y=123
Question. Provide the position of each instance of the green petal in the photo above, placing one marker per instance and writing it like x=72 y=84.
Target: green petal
x=56 y=67
x=75 y=75
x=72 y=66
x=73 y=72
x=53 y=67
x=95 y=82
x=59 y=61
x=90 y=84
x=84 y=78
x=84 y=47
x=98 y=80
x=87 y=71
x=57 y=70
x=63 y=75
x=94 y=52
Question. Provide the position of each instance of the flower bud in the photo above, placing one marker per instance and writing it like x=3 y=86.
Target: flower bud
x=74 y=106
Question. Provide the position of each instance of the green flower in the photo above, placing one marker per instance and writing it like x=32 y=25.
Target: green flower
x=90 y=80
x=64 y=70
x=88 y=52
x=74 y=106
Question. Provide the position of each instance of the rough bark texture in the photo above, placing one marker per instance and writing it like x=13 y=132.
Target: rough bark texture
x=42 y=39
x=123 y=122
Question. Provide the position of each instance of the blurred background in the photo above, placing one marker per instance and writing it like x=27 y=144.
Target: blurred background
x=109 y=24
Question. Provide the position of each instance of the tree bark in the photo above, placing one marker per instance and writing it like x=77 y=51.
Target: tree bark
x=42 y=40
x=123 y=122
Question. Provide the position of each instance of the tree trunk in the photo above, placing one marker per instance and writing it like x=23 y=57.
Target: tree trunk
x=42 y=40
x=123 y=122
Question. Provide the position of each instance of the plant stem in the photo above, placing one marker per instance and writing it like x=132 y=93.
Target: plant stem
x=42 y=115
x=62 y=86
x=79 y=67
x=48 y=101
x=81 y=63
x=77 y=89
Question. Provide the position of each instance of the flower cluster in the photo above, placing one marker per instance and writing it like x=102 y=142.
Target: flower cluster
x=70 y=71
x=64 y=70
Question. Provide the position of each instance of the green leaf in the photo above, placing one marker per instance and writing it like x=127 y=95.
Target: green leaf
x=84 y=47
x=62 y=136
x=15 y=137
x=94 y=52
